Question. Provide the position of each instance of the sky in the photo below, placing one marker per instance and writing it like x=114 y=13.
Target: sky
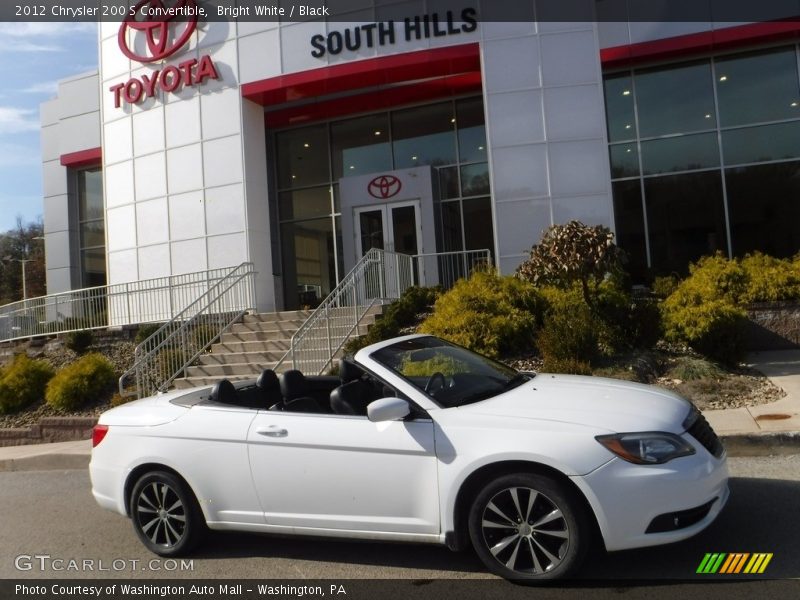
x=33 y=58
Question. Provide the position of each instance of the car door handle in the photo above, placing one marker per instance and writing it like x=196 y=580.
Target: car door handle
x=272 y=431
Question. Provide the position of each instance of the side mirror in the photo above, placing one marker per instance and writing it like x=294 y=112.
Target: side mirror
x=387 y=409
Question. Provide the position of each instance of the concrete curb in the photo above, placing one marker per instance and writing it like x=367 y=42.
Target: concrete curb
x=762 y=444
x=45 y=462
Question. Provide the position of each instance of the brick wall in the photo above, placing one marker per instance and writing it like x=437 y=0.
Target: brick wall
x=49 y=429
x=773 y=326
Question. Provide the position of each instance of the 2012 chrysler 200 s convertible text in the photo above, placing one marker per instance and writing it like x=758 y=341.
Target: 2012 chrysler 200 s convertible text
x=417 y=440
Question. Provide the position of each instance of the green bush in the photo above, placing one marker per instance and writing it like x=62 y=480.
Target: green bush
x=145 y=331
x=770 y=279
x=689 y=368
x=570 y=331
x=85 y=380
x=401 y=313
x=79 y=341
x=715 y=328
x=487 y=313
x=23 y=382
x=664 y=286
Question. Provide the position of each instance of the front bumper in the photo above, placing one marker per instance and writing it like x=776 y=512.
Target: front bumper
x=628 y=498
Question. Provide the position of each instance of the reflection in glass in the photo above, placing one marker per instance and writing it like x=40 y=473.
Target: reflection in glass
x=450 y=228
x=404 y=229
x=303 y=156
x=624 y=160
x=620 y=115
x=680 y=153
x=475 y=180
x=675 y=100
x=764 y=208
x=424 y=136
x=93 y=264
x=361 y=146
x=370 y=229
x=685 y=219
x=759 y=87
x=306 y=203
x=760 y=144
x=471 y=130
x=629 y=222
x=308 y=262
x=478 y=224
x=92 y=227
x=90 y=194
x=448 y=183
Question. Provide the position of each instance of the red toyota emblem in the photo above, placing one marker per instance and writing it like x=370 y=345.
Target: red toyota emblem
x=155 y=26
x=384 y=186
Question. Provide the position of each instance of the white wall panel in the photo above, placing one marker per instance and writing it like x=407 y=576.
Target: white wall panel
x=520 y=172
x=120 y=234
x=148 y=131
x=188 y=256
x=222 y=160
x=182 y=122
x=184 y=169
x=122 y=267
x=225 y=209
x=527 y=125
x=117 y=141
x=569 y=58
x=152 y=221
x=578 y=168
x=79 y=133
x=227 y=250
x=118 y=182
x=574 y=112
x=150 y=176
x=154 y=261
x=259 y=56
x=501 y=74
x=220 y=113
x=186 y=216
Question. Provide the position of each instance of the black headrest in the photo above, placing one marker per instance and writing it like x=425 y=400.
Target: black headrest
x=224 y=392
x=293 y=384
x=349 y=371
x=351 y=398
x=268 y=381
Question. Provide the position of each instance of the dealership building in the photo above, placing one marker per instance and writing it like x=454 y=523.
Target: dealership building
x=297 y=146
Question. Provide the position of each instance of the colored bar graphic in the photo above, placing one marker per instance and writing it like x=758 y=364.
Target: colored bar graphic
x=733 y=563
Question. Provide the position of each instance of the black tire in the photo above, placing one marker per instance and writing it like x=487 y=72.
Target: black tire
x=549 y=544
x=165 y=514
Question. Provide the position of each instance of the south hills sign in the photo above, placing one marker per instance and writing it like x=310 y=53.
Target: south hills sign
x=165 y=30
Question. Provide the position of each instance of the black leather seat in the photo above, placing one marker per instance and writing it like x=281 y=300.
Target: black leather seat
x=224 y=392
x=295 y=392
x=349 y=371
x=269 y=387
x=352 y=398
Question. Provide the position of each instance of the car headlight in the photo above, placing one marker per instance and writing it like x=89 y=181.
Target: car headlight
x=648 y=448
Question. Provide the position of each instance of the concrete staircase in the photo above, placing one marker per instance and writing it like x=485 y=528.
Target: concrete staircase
x=257 y=343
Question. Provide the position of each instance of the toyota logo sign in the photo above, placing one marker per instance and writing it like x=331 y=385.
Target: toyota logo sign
x=384 y=186
x=155 y=26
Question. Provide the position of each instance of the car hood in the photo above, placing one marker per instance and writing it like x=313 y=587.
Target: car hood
x=608 y=404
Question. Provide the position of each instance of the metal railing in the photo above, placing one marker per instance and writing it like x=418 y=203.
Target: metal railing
x=379 y=277
x=146 y=301
x=166 y=354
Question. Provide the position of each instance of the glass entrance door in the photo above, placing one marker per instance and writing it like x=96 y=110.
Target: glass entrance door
x=390 y=227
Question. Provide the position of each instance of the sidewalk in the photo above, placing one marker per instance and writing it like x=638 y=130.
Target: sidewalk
x=765 y=429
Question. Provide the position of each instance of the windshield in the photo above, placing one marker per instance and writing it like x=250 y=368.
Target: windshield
x=449 y=374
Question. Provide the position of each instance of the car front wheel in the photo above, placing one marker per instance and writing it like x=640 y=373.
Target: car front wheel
x=165 y=514
x=528 y=527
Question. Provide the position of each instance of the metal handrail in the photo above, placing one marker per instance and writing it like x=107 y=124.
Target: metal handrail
x=166 y=354
x=145 y=301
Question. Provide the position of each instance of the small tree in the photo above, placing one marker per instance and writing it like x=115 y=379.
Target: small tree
x=574 y=253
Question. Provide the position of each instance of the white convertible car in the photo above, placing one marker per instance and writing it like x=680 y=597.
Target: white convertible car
x=417 y=440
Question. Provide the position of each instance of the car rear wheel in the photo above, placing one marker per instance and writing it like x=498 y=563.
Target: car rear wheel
x=529 y=528
x=165 y=514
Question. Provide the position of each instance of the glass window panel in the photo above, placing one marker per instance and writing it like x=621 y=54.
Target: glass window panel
x=478 y=230
x=93 y=267
x=475 y=180
x=93 y=234
x=624 y=160
x=471 y=130
x=764 y=209
x=675 y=100
x=361 y=146
x=404 y=229
x=370 y=229
x=309 y=271
x=302 y=204
x=303 y=156
x=681 y=153
x=620 y=115
x=90 y=194
x=450 y=226
x=685 y=218
x=629 y=221
x=424 y=136
x=760 y=144
x=758 y=87
x=448 y=183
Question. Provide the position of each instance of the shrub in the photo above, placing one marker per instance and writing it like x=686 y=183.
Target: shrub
x=715 y=328
x=574 y=253
x=145 y=331
x=87 y=379
x=487 y=313
x=23 y=382
x=79 y=341
x=770 y=279
x=568 y=366
x=689 y=368
x=570 y=331
x=401 y=313
x=202 y=334
x=664 y=286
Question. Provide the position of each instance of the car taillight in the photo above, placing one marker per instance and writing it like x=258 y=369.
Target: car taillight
x=98 y=433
